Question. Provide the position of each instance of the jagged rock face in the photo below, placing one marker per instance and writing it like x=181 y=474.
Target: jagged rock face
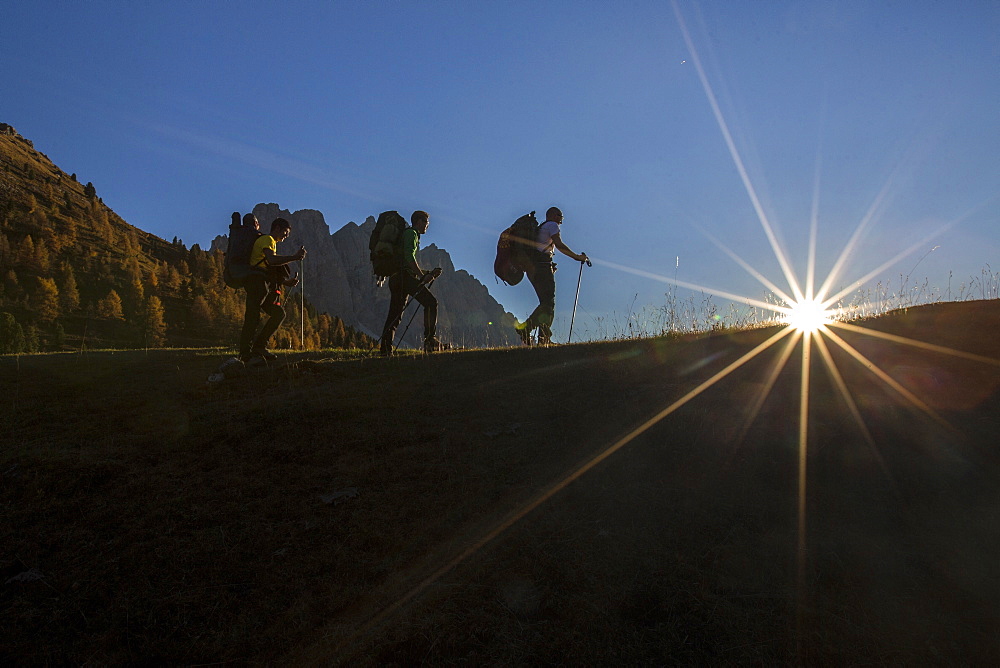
x=339 y=281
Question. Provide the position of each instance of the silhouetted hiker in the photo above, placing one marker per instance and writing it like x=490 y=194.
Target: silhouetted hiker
x=410 y=279
x=542 y=276
x=263 y=289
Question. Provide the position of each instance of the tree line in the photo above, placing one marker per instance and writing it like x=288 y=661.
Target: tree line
x=74 y=276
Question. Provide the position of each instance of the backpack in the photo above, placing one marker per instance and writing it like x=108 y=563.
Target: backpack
x=383 y=245
x=236 y=266
x=516 y=250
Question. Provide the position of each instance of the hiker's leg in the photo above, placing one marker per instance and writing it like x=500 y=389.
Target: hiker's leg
x=532 y=321
x=275 y=316
x=544 y=335
x=544 y=281
x=256 y=292
x=430 y=304
x=397 y=301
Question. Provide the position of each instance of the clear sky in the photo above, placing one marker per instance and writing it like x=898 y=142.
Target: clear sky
x=183 y=112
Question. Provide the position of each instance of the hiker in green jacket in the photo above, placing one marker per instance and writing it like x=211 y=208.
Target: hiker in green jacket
x=411 y=280
x=263 y=290
x=543 y=280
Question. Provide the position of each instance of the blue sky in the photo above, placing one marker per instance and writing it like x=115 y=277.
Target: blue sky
x=183 y=112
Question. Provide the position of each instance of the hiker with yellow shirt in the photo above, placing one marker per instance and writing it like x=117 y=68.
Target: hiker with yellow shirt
x=263 y=288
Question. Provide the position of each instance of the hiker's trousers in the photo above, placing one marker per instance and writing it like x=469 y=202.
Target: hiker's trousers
x=259 y=298
x=543 y=280
x=400 y=286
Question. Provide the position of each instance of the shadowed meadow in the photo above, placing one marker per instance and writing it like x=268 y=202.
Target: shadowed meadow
x=511 y=506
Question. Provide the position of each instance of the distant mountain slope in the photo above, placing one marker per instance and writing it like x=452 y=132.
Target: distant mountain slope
x=73 y=274
x=339 y=280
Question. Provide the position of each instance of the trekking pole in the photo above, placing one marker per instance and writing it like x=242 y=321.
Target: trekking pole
x=410 y=299
x=302 y=304
x=577 y=299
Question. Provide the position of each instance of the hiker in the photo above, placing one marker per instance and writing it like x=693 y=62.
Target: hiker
x=411 y=280
x=263 y=288
x=541 y=274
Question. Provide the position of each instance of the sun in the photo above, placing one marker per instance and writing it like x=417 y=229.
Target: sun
x=808 y=316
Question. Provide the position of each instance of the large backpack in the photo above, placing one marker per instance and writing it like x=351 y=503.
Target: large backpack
x=237 y=263
x=516 y=250
x=383 y=245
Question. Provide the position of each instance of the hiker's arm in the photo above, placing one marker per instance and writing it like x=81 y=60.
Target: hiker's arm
x=565 y=250
x=420 y=274
x=409 y=249
x=275 y=260
x=414 y=268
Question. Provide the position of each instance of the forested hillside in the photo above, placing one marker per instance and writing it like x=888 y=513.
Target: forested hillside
x=74 y=275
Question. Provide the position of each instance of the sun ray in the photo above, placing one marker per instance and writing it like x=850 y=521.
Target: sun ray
x=916 y=344
x=737 y=160
x=887 y=379
x=853 y=241
x=852 y=406
x=692 y=286
x=813 y=232
x=750 y=270
x=769 y=384
x=882 y=267
x=803 y=448
x=838 y=381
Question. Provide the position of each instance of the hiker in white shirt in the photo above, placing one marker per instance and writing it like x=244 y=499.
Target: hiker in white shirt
x=542 y=277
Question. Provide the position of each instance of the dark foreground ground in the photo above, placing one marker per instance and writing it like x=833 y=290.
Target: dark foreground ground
x=457 y=508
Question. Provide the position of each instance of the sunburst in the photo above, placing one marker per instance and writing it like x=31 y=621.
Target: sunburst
x=810 y=322
x=808 y=316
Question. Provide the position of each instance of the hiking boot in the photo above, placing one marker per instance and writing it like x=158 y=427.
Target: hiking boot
x=432 y=345
x=544 y=336
x=254 y=360
x=232 y=367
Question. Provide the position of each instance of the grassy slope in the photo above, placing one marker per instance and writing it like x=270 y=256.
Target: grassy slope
x=63 y=199
x=175 y=522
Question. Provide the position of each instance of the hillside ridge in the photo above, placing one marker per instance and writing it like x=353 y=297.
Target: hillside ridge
x=295 y=516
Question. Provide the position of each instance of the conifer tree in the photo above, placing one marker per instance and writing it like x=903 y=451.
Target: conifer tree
x=32 y=343
x=26 y=253
x=69 y=231
x=45 y=301
x=135 y=295
x=6 y=254
x=60 y=335
x=41 y=260
x=155 y=324
x=130 y=244
x=11 y=335
x=201 y=313
x=173 y=281
x=110 y=306
x=11 y=286
x=153 y=280
x=69 y=296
